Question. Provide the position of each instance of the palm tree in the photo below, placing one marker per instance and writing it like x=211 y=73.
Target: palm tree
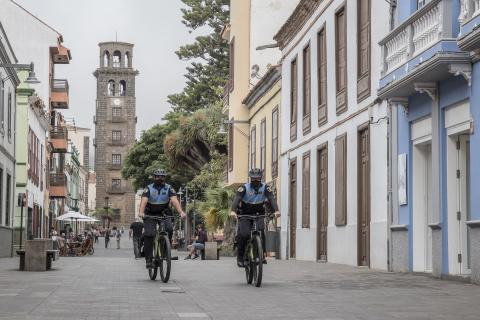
x=216 y=212
x=105 y=214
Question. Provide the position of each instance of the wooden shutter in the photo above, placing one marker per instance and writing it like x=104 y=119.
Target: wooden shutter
x=306 y=191
x=232 y=65
x=363 y=54
x=253 y=147
x=307 y=85
x=230 y=147
x=341 y=60
x=293 y=100
x=322 y=76
x=341 y=180
x=275 y=143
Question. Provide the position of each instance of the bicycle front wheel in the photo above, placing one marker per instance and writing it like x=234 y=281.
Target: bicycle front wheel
x=152 y=272
x=257 y=261
x=165 y=259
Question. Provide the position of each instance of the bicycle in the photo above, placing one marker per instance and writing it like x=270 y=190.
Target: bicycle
x=253 y=257
x=162 y=257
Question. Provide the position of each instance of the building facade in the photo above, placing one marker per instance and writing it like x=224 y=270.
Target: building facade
x=7 y=143
x=334 y=141
x=115 y=123
x=252 y=24
x=32 y=127
x=430 y=76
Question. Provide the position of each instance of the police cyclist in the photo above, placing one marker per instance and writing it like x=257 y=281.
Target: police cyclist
x=156 y=199
x=250 y=200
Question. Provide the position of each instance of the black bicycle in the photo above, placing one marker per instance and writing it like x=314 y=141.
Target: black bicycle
x=253 y=257
x=162 y=257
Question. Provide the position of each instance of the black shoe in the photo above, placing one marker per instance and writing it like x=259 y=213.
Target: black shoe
x=264 y=261
x=188 y=257
x=240 y=263
x=149 y=264
x=195 y=257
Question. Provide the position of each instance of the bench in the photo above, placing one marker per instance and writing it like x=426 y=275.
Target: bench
x=52 y=255
x=38 y=255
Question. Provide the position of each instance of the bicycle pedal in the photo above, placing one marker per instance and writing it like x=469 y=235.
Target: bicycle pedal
x=174 y=258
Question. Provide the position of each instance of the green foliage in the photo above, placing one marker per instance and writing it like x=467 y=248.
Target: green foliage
x=208 y=72
x=216 y=207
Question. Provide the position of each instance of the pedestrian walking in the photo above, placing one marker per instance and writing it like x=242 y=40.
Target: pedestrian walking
x=118 y=236
x=107 y=238
x=97 y=234
x=135 y=232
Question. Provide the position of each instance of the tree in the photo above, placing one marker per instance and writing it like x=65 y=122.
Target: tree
x=104 y=214
x=208 y=72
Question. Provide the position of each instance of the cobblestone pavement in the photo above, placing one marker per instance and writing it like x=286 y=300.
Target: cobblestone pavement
x=112 y=285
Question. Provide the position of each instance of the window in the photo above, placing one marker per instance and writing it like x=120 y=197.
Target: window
x=116 y=135
x=230 y=146
x=9 y=115
x=253 y=147
x=127 y=60
x=363 y=50
x=306 y=190
x=341 y=60
x=322 y=76
x=307 y=98
x=117 y=59
x=232 y=65
x=106 y=59
x=116 y=112
x=116 y=212
x=123 y=88
x=2 y=105
x=422 y=3
x=41 y=167
x=341 y=180
x=9 y=200
x=275 y=143
x=116 y=184
x=116 y=159
x=111 y=88
x=1 y=195
x=293 y=100
x=263 y=148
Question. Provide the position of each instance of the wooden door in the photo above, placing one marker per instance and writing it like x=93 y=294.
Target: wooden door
x=363 y=198
x=322 y=208
x=293 y=207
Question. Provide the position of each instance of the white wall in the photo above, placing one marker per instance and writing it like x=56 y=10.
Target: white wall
x=342 y=241
x=76 y=135
x=31 y=40
x=267 y=17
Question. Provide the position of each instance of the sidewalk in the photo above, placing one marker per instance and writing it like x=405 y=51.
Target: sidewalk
x=112 y=285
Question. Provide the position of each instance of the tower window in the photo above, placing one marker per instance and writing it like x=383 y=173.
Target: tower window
x=123 y=87
x=111 y=88
x=116 y=112
x=117 y=59
x=127 y=60
x=116 y=135
x=106 y=58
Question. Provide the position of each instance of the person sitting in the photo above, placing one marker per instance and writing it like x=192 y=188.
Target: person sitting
x=199 y=243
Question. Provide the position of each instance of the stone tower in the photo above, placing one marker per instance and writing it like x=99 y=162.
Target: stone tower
x=115 y=123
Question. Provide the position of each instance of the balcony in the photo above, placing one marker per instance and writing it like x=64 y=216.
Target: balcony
x=60 y=54
x=117 y=119
x=421 y=49
x=59 y=97
x=114 y=166
x=117 y=190
x=59 y=139
x=117 y=142
x=469 y=38
x=58 y=185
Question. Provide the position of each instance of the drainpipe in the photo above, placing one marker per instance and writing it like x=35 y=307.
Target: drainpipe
x=389 y=186
x=287 y=244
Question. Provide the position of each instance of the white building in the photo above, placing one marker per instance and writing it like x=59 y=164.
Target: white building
x=334 y=133
x=7 y=143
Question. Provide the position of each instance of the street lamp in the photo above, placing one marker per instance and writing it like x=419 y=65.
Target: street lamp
x=32 y=79
x=222 y=130
x=105 y=217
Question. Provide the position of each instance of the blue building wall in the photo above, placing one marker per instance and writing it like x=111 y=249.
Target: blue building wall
x=475 y=144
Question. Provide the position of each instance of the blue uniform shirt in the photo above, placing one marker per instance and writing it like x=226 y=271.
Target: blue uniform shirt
x=158 y=197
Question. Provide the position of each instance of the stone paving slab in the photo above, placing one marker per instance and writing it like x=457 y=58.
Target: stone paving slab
x=112 y=285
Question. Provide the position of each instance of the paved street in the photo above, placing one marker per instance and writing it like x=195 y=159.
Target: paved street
x=112 y=285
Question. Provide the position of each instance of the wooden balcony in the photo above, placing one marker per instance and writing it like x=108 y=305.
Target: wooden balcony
x=59 y=97
x=59 y=139
x=58 y=185
x=60 y=54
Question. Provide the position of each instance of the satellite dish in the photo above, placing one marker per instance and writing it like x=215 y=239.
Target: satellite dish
x=255 y=69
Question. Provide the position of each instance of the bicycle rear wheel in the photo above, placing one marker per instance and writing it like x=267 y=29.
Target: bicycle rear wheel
x=165 y=260
x=257 y=262
x=248 y=265
x=152 y=272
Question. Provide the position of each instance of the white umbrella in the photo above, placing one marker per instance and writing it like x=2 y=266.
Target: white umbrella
x=88 y=219
x=72 y=215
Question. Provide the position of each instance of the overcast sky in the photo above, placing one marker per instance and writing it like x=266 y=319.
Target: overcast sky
x=154 y=26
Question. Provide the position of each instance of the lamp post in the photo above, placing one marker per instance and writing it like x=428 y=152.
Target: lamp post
x=222 y=130
x=105 y=217
x=32 y=79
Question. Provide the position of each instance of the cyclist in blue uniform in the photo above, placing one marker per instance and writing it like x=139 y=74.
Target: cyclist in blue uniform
x=156 y=199
x=250 y=199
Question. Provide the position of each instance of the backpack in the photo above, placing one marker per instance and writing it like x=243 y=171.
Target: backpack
x=118 y=235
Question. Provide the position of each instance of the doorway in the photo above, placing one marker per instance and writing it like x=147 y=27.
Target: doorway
x=293 y=207
x=363 y=194
x=322 y=208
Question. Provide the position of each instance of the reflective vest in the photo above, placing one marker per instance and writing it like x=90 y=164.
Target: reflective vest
x=159 y=196
x=253 y=197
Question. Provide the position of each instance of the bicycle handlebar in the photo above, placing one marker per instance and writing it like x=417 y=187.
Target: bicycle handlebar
x=252 y=217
